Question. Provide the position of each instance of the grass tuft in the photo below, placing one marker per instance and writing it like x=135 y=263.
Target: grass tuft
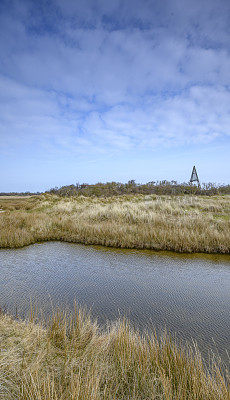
x=72 y=358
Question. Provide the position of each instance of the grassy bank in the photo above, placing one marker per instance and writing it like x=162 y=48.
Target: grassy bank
x=177 y=223
x=72 y=358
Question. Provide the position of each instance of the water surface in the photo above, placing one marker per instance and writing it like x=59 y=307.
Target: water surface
x=189 y=295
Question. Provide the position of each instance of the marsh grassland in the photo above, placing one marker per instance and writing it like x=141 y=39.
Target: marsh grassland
x=71 y=358
x=177 y=223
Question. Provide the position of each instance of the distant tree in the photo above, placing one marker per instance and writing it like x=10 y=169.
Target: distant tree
x=163 y=187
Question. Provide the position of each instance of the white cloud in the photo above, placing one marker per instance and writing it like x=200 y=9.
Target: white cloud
x=87 y=86
x=197 y=116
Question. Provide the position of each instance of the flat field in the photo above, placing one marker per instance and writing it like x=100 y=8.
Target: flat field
x=178 y=223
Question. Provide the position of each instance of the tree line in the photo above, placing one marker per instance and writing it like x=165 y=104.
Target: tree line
x=131 y=187
x=19 y=193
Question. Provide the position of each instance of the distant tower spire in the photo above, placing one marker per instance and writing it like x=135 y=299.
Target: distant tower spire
x=194 y=176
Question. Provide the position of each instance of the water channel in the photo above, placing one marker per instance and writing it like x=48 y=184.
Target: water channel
x=188 y=295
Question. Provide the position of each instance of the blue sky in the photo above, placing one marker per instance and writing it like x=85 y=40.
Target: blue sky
x=100 y=90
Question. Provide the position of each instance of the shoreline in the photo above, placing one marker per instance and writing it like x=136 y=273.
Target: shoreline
x=111 y=247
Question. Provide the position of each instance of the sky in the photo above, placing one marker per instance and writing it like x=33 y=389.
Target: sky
x=97 y=90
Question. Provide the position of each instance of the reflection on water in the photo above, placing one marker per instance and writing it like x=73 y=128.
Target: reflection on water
x=188 y=295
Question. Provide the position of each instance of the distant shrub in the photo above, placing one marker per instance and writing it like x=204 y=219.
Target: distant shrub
x=131 y=187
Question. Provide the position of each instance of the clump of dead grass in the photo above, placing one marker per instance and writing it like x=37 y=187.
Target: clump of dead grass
x=72 y=358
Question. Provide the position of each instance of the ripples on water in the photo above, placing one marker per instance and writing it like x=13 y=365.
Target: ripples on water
x=189 y=295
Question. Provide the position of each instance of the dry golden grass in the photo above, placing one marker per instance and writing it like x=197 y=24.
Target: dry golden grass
x=73 y=359
x=177 y=223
